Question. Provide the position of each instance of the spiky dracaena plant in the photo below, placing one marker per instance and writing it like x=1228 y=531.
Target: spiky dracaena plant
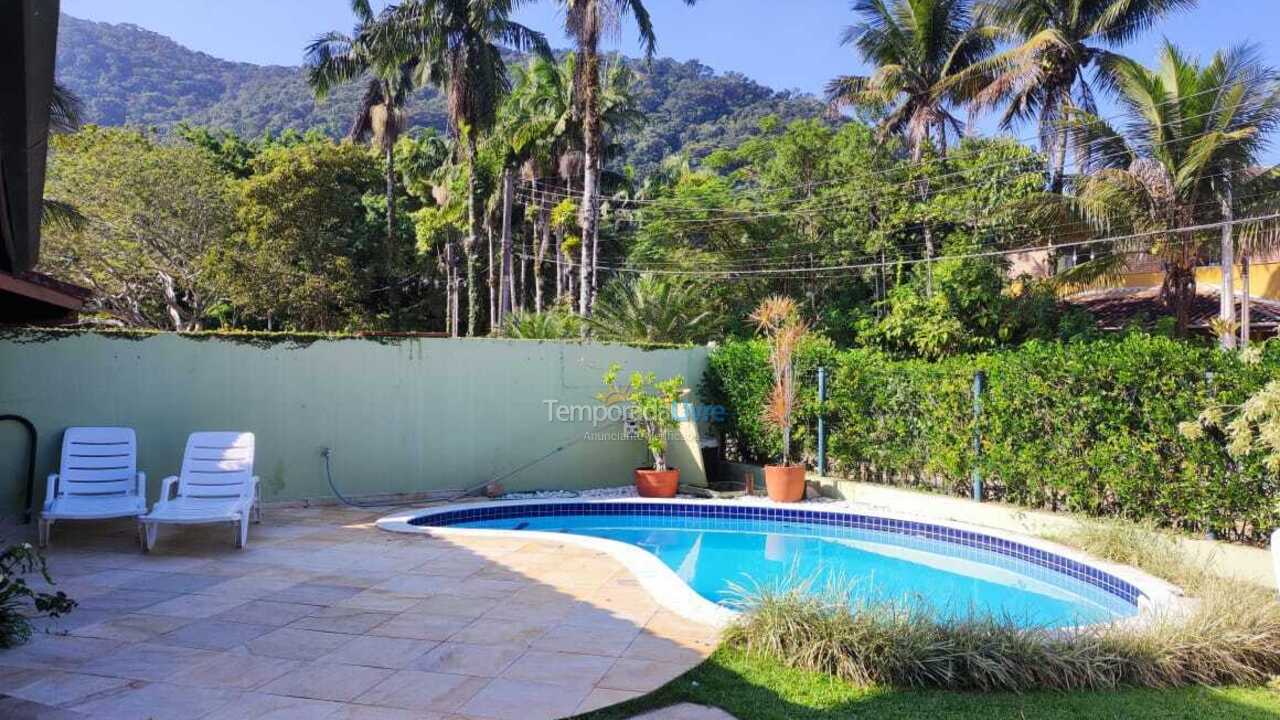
x=778 y=318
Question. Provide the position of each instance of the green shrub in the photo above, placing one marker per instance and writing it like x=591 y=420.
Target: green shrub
x=1091 y=427
x=19 y=602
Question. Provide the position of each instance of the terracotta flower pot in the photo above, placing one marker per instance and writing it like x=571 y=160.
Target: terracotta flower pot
x=657 y=483
x=785 y=483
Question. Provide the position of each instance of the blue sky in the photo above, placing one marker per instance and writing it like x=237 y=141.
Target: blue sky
x=782 y=44
x=786 y=45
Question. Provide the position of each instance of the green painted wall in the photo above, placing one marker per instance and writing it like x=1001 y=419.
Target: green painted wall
x=400 y=416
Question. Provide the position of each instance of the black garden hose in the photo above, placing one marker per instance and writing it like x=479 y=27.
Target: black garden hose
x=28 y=509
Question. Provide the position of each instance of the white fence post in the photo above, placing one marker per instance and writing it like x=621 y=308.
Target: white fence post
x=1275 y=554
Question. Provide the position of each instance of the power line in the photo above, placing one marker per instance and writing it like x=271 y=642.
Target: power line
x=918 y=245
x=961 y=256
x=915 y=164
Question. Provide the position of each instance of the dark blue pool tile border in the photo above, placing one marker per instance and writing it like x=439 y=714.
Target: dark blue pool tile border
x=966 y=538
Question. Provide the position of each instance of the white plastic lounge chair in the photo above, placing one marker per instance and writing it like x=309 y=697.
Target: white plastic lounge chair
x=216 y=484
x=98 y=478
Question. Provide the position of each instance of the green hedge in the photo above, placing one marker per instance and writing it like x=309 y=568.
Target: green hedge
x=1083 y=426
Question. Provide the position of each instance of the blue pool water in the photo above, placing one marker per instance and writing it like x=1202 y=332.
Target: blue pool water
x=712 y=554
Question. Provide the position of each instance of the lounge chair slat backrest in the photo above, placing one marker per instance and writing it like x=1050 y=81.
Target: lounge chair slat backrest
x=98 y=461
x=217 y=464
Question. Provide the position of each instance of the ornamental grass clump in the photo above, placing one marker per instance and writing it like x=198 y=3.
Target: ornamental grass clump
x=1229 y=634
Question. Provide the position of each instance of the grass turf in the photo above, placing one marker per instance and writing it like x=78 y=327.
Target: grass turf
x=756 y=688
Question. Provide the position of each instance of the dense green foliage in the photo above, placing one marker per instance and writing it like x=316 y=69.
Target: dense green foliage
x=20 y=601
x=131 y=76
x=1084 y=426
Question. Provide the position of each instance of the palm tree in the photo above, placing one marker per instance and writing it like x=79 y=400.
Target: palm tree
x=336 y=58
x=65 y=109
x=652 y=308
x=1196 y=130
x=1044 y=76
x=920 y=50
x=587 y=21
x=924 y=52
x=456 y=46
x=544 y=129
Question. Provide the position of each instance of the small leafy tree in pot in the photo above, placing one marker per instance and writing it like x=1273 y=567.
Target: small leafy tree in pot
x=650 y=404
x=778 y=319
x=19 y=602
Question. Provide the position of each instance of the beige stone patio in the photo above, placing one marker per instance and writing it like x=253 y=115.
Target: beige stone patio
x=323 y=616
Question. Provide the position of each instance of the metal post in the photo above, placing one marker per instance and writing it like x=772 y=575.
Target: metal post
x=822 y=422
x=979 y=386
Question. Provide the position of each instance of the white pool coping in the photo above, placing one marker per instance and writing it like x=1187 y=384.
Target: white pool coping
x=674 y=594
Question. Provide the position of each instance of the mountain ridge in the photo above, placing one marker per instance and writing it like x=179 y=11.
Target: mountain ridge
x=129 y=75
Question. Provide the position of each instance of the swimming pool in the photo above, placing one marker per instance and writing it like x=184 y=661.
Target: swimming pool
x=713 y=546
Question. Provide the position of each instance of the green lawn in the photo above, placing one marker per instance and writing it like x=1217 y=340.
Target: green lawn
x=753 y=688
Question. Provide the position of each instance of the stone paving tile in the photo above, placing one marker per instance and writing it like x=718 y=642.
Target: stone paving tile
x=146 y=661
x=454 y=605
x=296 y=644
x=315 y=594
x=464 y=659
x=686 y=711
x=174 y=582
x=12 y=708
x=563 y=669
x=194 y=606
x=607 y=640
x=418 y=690
x=380 y=601
x=506 y=633
x=158 y=701
x=420 y=626
x=261 y=706
x=57 y=651
x=125 y=600
x=641 y=675
x=505 y=699
x=603 y=698
x=266 y=612
x=237 y=672
x=213 y=634
x=248 y=587
x=338 y=619
x=16 y=677
x=373 y=712
x=383 y=652
x=61 y=688
x=322 y=681
x=648 y=646
x=135 y=627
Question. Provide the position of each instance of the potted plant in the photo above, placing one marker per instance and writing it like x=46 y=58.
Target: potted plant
x=651 y=403
x=778 y=319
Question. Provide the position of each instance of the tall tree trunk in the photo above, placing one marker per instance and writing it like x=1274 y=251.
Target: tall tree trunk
x=506 y=279
x=393 y=292
x=1059 y=178
x=559 y=236
x=590 y=212
x=540 y=255
x=1227 y=310
x=595 y=247
x=494 y=312
x=469 y=247
x=451 y=288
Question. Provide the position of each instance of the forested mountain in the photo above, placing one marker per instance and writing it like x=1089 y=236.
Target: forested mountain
x=128 y=75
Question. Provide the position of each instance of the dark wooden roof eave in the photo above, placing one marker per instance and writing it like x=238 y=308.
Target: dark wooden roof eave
x=28 y=39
